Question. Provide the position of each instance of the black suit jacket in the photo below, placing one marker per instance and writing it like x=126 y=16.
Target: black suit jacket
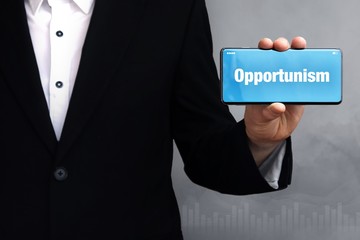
x=146 y=78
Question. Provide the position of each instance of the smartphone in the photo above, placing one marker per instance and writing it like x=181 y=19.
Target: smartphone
x=256 y=76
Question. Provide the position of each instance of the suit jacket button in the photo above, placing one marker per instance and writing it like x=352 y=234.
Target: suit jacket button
x=61 y=174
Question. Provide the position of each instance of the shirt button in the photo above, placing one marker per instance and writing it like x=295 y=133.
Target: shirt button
x=59 y=33
x=61 y=174
x=59 y=84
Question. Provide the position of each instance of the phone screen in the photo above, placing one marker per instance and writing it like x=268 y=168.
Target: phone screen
x=256 y=76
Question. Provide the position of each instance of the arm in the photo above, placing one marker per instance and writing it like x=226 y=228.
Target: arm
x=214 y=147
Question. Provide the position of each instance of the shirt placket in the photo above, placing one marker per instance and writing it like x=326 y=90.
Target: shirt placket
x=60 y=67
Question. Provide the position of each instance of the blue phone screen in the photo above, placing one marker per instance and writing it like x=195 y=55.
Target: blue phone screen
x=312 y=76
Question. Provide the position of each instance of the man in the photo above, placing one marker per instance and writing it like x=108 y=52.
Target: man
x=92 y=95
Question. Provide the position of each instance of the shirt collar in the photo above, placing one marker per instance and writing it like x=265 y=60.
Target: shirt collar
x=35 y=5
x=84 y=5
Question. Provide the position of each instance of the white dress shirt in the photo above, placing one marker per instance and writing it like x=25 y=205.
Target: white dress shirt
x=58 y=29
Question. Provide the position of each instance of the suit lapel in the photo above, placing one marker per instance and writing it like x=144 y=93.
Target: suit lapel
x=111 y=28
x=21 y=72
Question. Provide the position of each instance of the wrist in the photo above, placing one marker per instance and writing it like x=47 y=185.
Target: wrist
x=262 y=150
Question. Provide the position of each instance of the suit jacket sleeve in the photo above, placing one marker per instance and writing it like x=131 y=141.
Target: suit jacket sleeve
x=213 y=146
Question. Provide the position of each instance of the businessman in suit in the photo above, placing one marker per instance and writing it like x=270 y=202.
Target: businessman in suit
x=92 y=95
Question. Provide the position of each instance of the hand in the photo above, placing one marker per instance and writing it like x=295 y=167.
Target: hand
x=267 y=126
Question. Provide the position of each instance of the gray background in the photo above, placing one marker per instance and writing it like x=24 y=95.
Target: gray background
x=323 y=201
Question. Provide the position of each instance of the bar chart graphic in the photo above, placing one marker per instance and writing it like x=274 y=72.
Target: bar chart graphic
x=287 y=221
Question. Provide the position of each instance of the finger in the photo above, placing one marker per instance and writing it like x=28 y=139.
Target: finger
x=265 y=43
x=274 y=111
x=281 y=44
x=296 y=111
x=298 y=43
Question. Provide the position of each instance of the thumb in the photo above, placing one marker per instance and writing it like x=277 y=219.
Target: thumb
x=274 y=111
